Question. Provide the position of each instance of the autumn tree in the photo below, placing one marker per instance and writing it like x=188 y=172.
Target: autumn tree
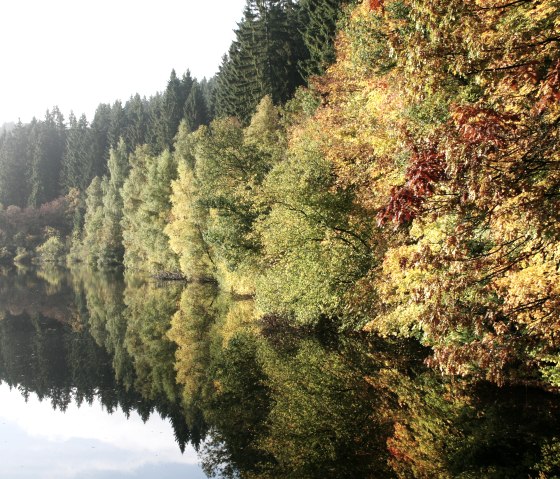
x=110 y=236
x=146 y=208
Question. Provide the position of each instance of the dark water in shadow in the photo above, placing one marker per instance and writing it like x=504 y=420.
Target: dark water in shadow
x=109 y=377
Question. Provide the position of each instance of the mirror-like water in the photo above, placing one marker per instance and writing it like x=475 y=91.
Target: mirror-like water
x=106 y=378
x=86 y=441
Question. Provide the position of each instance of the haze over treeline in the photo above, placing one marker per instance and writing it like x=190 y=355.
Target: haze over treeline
x=7 y=127
x=388 y=166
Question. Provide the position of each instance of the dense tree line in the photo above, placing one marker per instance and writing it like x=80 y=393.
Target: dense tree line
x=45 y=159
x=409 y=188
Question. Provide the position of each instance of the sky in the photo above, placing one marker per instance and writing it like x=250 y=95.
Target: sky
x=78 y=53
x=86 y=442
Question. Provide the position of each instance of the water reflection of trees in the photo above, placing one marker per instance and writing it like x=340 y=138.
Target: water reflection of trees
x=265 y=400
x=119 y=353
x=289 y=404
x=129 y=319
x=36 y=294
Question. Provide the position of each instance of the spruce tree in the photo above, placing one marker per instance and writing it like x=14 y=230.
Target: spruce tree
x=14 y=166
x=47 y=150
x=172 y=108
x=79 y=161
x=318 y=23
x=195 y=111
x=135 y=132
x=261 y=61
x=118 y=124
x=100 y=126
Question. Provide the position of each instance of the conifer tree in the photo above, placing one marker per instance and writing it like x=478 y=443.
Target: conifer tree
x=318 y=23
x=261 y=61
x=195 y=111
x=100 y=126
x=47 y=151
x=79 y=161
x=118 y=124
x=14 y=166
x=172 y=108
x=135 y=132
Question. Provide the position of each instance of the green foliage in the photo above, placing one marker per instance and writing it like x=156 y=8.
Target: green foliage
x=217 y=197
x=146 y=208
x=188 y=219
x=313 y=251
x=14 y=164
x=47 y=145
x=52 y=250
x=261 y=61
x=110 y=235
x=318 y=23
x=79 y=164
x=93 y=220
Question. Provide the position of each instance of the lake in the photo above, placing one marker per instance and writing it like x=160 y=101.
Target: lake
x=105 y=376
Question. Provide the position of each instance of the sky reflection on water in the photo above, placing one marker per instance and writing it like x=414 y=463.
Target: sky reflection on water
x=37 y=441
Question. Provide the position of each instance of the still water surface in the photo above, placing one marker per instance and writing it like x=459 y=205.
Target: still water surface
x=38 y=441
x=105 y=377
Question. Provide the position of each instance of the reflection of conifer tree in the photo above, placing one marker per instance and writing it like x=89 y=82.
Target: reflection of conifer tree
x=61 y=361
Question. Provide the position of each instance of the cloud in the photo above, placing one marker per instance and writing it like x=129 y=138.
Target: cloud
x=38 y=441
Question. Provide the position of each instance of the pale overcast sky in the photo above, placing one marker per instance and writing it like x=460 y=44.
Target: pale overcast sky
x=79 y=53
x=37 y=441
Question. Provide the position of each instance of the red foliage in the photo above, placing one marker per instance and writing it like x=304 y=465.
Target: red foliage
x=483 y=125
x=54 y=214
x=426 y=169
x=550 y=90
x=376 y=5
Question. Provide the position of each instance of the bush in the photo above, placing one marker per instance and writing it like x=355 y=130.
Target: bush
x=51 y=250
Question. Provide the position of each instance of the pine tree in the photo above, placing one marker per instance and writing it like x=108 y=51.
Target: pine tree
x=79 y=161
x=261 y=61
x=318 y=22
x=47 y=151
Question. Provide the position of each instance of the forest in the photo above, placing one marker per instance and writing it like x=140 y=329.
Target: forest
x=387 y=166
x=266 y=401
